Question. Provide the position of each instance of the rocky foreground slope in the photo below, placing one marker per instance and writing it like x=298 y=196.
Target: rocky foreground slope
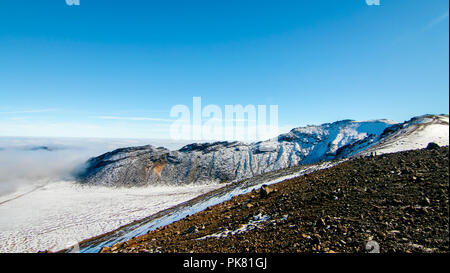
x=399 y=201
x=232 y=161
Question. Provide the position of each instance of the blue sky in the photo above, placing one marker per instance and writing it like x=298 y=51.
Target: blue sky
x=63 y=69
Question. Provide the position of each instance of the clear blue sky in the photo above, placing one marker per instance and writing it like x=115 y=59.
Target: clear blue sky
x=63 y=68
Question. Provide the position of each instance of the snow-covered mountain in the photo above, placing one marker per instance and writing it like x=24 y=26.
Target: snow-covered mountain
x=415 y=133
x=231 y=161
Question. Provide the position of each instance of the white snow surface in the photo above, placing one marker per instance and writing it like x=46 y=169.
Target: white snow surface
x=415 y=134
x=255 y=222
x=60 y=214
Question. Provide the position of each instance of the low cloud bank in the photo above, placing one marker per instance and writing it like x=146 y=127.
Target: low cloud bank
x=37 y=161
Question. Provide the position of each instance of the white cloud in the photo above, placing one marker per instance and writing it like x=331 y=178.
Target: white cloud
x=21 y=165
x=436 y=21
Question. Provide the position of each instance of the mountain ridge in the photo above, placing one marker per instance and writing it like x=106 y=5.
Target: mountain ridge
x=231 y=161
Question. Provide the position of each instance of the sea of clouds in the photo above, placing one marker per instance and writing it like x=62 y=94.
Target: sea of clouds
x=28 y=162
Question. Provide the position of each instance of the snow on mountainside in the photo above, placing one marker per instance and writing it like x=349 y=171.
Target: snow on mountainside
x=413 y=134
x=227 y=161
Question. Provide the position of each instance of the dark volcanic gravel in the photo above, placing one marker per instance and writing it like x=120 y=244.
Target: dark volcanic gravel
x=398 y=200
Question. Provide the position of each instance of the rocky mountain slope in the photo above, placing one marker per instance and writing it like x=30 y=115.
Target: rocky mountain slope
x=200 y=203
x=232 y=161
x=392 y=203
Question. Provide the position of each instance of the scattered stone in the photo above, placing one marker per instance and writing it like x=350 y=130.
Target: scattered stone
x=116 y=246
x=189 y=230
x=105 y=249
x=432 y=146
x=265 y=191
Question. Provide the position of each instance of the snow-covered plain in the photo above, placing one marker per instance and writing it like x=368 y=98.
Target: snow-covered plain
x=60 y=214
